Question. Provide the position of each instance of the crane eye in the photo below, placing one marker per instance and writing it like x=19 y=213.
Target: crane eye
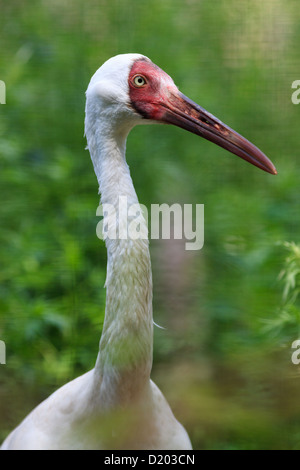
x=139 y=80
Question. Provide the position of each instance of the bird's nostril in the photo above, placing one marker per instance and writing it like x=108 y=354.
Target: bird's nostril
x=204 y=120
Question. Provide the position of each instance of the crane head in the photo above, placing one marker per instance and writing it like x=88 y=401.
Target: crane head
x=133 y=90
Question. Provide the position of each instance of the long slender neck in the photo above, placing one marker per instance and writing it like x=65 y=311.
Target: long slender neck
x=125 y=352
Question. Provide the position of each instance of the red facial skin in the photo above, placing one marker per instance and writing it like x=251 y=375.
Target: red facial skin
x=149 y=99
x=159 y=99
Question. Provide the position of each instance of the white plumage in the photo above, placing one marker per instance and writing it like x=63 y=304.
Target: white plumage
x=116 y=405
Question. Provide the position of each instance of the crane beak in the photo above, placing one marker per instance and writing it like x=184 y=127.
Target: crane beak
x=183 y=112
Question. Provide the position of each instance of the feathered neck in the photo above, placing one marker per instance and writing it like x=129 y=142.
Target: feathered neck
x=125 y=351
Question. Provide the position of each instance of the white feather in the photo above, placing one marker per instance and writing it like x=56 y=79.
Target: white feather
x=115 y=405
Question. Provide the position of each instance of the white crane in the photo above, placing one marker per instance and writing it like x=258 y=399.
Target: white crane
x=116 y=405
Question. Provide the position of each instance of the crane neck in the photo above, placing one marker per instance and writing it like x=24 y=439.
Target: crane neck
x=125 y=352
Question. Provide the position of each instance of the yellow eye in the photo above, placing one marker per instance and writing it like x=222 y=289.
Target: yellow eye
x=139 y=80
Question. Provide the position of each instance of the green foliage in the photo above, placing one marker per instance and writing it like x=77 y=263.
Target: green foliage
x=224 y=359
x=286 y=323
x=290 y=274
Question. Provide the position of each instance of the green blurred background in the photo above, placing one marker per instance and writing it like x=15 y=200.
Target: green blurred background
x=231 y=310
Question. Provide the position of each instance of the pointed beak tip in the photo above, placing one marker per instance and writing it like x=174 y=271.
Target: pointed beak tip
x=273 y=171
